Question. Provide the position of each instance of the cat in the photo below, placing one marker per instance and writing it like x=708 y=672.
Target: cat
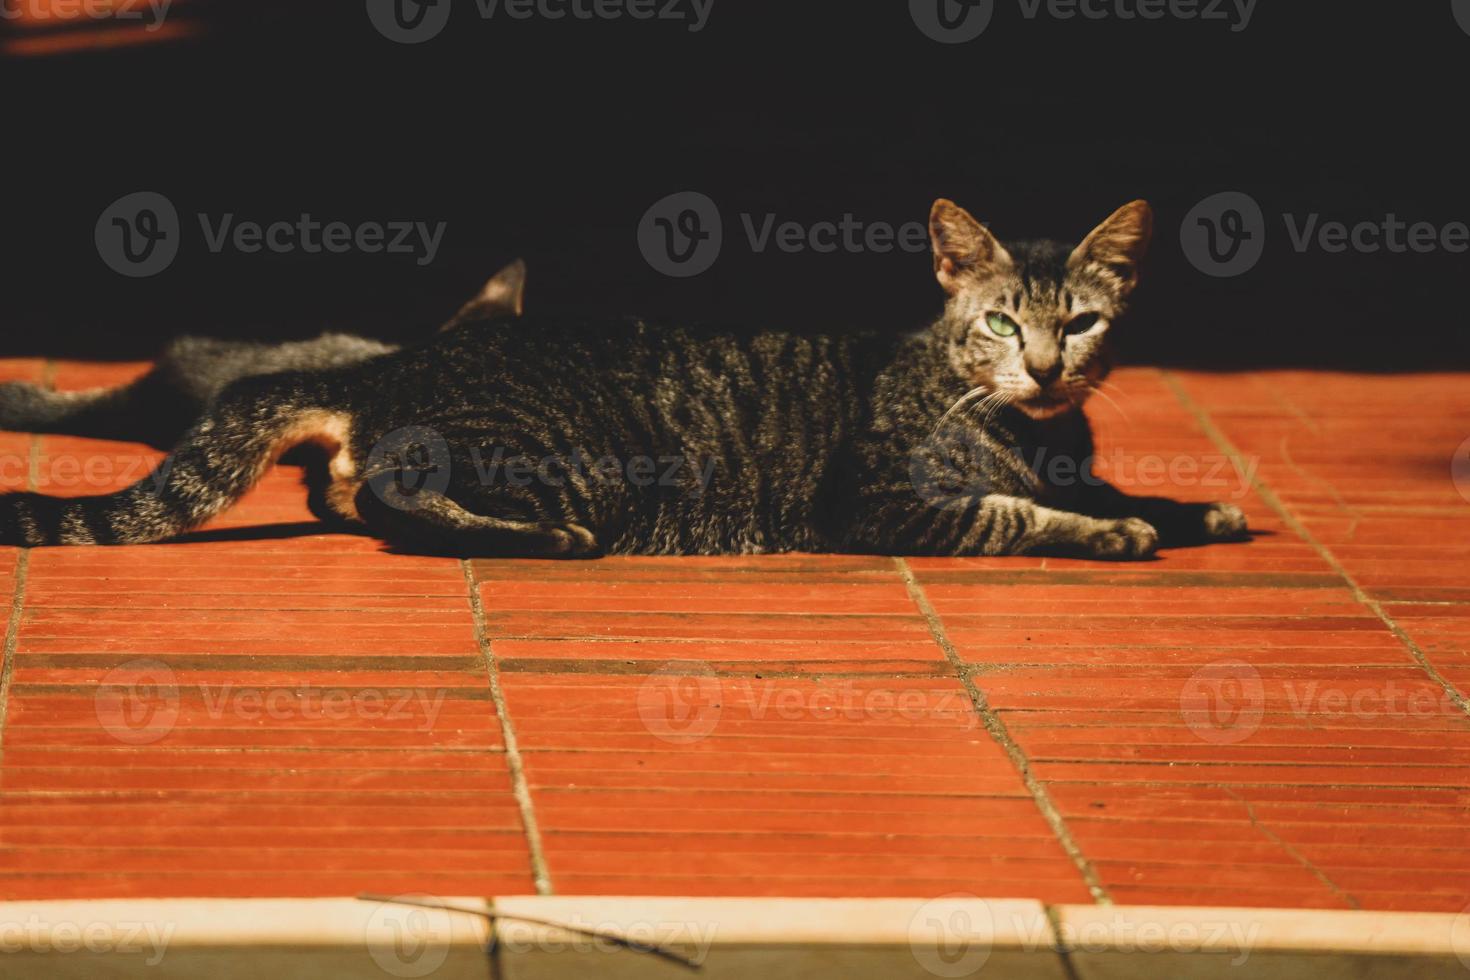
x=546 y=437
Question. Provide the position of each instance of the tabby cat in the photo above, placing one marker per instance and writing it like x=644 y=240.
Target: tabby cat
x=550 y=438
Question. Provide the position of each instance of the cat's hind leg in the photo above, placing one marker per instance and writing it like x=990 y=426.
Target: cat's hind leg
x=429 y=521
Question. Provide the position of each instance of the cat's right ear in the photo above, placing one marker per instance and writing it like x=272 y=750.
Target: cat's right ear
x=503 y=295
x=963 y=247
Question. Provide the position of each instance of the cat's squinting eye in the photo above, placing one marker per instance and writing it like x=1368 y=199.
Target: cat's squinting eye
x=1001 y=325
x=1082 y=324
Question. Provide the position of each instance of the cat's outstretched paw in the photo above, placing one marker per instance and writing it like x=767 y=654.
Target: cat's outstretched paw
x=1225 y=522
x=1130 y=539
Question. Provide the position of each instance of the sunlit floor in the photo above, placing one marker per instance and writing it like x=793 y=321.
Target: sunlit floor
x=280 y=713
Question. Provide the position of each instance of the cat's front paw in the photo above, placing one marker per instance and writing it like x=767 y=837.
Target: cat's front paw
x=1130 y=539
x=1225 y=522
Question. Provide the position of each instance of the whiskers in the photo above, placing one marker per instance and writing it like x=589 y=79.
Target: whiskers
x=1096 y=387
x=981 y=398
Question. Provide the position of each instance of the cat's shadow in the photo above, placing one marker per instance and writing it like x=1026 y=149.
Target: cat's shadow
x=316 y=529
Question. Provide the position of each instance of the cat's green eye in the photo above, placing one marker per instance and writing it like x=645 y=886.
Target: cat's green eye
x=1083 y=323
x=1001 y=325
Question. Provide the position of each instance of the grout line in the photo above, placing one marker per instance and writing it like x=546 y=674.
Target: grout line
x=1296 y=855
x=519 y=788
x=12 y=638
x=998 y=731
x=494 y=954
x=22 y=576
x=1223 y=443
x=1060 y=947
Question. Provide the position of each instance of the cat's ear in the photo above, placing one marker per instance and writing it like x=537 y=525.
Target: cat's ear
x=963 y=248
x=1114 y=251
x=503 y=295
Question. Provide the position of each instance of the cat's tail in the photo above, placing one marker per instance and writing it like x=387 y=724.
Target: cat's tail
x=25 y=407
x=214 y=465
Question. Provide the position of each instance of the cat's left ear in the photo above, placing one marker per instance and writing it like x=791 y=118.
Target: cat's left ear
x=1114 y=251
x=504 y=295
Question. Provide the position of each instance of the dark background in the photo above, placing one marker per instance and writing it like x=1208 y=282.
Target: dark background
x=550 y=139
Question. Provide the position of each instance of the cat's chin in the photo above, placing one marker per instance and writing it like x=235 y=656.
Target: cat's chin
x=1046 y=407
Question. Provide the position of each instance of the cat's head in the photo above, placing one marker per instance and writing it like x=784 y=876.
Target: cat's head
x=1028 y=322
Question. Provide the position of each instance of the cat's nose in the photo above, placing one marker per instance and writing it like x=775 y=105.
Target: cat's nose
x=1045 y=374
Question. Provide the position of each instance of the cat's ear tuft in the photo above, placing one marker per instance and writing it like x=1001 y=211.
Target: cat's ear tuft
x=503 y=295
x=1115 y=249
x=963 y=248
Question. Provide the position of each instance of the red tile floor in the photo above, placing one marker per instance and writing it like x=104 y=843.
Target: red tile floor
x=1282 y=723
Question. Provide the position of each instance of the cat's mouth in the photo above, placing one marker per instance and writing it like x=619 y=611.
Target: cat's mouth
x=1045 y=406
